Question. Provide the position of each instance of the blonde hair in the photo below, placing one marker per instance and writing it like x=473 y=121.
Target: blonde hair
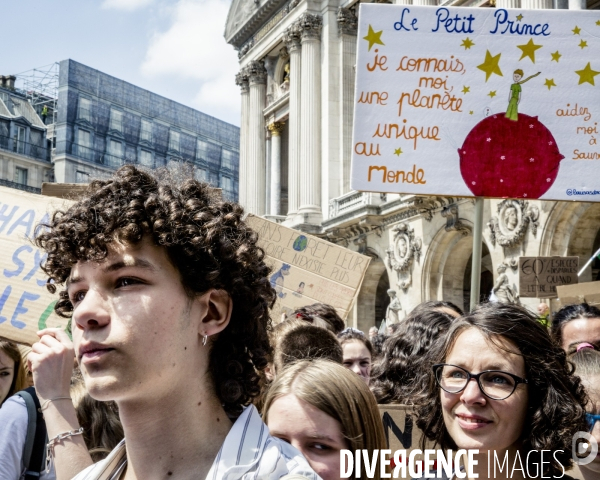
x=337 y=392
x=20 y=375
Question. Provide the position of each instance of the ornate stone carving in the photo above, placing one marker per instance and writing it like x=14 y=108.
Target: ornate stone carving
x=363 y=248
x=347 y=21
x=311 y=26
x=453 y=222
x=510 y=226
x=246 y=48
x=504 y=292
x=276 y=128
x=404 y=250
x=257 y=73
x=292 y=36
x=241 y=80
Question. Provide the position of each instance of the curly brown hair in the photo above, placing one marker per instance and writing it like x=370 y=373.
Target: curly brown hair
x=205 y=239
x=556 y=396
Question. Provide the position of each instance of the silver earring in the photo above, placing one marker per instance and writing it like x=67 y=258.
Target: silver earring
x=204 y=340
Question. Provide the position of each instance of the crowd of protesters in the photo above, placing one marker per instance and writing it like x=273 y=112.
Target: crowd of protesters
x=174 y=369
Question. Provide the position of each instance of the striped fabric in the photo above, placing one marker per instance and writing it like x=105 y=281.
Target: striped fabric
x=248 y=453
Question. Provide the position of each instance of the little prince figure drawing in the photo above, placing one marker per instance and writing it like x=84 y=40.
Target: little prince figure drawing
x=514 y=96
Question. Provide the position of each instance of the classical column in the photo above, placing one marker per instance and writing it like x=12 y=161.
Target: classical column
x=508 y=3
x=425 y=2
x=537 y=4
x=310 y=122
x=577 y=5
x=255 y=172
x=241 y=79
x=275 y=128
x=347 y=28
x=292 y=41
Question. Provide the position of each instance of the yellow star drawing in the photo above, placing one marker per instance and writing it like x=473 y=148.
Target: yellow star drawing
x=373 y=37
x=467 y=43
x=529 y=50
x=598 y=22
x=492 y=94
x=519 y=17
x=549 y=83
x=398 y=151
x=555 y=56
x=470 y=112
x=576 y=30
x=466 y=89
x=490 y=65
x=587 y=75
x=583 y=44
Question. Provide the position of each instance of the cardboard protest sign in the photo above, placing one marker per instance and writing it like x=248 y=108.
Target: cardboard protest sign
x=477 y=102
x=588 y=292
x=308 y=270
x=539 y=276
x=25 y=304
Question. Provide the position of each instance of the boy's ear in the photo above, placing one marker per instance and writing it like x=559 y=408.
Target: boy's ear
x=270 y=372
x=217 y=307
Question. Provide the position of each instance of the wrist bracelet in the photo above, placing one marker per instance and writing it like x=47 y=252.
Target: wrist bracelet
x=47 y=402
x=59 y=438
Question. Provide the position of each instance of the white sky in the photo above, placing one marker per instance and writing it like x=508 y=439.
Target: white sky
x=171 y=47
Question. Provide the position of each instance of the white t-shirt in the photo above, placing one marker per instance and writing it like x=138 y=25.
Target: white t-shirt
x=249 y=452
x=13 y=432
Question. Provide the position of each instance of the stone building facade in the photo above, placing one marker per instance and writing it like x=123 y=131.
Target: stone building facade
x=296 y=80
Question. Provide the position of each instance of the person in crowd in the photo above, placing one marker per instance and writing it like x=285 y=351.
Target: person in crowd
x=575 y=324
x=358 y=352
x=169 y=297
x=12 y=371
x=441 y=305
x=587 y=367
x=373 y=332
x=500 y=385
x=377 y=342
x=401 y=372
x=321 y=408
x=304 y=341
x=393 y=328
x=321 y=315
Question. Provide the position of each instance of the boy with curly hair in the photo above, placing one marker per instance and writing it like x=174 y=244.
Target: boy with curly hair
x=169 y=300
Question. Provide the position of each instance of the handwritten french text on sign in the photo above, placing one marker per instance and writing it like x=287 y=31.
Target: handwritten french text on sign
x=25 y=304
x=539 y=276
x=307 y=269
x=477 y=102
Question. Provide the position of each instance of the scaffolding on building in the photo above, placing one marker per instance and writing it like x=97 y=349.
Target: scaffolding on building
x=40 y=86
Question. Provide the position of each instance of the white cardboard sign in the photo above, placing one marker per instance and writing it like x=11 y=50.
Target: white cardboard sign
x=477 y=102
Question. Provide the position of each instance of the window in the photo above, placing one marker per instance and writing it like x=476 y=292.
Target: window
x=146 y=131
x=202 y=150
x=21 y=175
x=82 y=177
x=115 y=149
x=19 y=140
x=83 y=138
x=200 y=174
x=84 y=112
x=146 y=158
x=227 y=184
x=174 y=141
x=116 y=120
x=228 y=160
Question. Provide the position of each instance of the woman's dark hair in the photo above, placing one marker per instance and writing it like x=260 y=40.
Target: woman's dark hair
x=350 y=334
x=556 y=397
x=401 y=371
x=205 y=239
x=568 y=313
x=335 y=323
x=436 y=305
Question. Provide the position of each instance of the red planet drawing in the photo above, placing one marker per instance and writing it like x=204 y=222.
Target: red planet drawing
x=504 y=158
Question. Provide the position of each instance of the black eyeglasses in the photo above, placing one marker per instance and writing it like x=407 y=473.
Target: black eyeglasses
x=494 y=384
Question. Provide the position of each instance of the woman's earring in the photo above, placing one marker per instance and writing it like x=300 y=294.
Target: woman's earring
x=204 y=340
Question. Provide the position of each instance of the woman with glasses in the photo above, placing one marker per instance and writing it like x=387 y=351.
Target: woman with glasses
x=587 y=366
x=499 y=385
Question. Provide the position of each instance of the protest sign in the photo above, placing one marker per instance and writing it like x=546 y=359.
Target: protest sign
x=308 y=270
x=588 y=292
x=477 y=102
x=539 y=276
x=25 y=304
